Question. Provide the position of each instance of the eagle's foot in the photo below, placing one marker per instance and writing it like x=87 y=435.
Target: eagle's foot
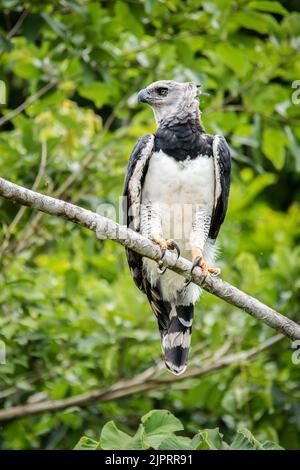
x=198 y=260
x=164 y=245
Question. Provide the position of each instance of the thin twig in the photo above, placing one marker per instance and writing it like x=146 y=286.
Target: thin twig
x=14 y=30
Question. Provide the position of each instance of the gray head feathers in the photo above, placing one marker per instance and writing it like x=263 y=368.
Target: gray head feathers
x=172 y=101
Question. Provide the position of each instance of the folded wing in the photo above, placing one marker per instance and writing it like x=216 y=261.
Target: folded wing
x=222 y=163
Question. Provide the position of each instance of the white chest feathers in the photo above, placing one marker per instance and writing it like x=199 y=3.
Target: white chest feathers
x=174 y=195
x=171 y=182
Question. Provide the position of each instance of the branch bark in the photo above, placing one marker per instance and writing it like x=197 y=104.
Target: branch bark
x=152 y=379
x=107 y=228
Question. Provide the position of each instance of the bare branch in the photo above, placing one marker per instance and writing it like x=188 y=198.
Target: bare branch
x=151 y=379
x=107 y=228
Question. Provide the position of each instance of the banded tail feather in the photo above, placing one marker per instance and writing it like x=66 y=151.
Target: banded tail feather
x=176 y=338
x=175 y=326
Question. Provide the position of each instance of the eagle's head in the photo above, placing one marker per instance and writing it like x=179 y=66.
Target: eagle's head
x=172 y=100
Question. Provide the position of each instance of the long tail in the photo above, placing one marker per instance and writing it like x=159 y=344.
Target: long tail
x=175 y=327
x=176 y=337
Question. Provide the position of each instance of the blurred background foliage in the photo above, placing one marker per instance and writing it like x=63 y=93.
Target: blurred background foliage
x=71 y=317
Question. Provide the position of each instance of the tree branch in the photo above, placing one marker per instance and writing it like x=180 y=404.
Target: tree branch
x=107 y=228
x=152 y=379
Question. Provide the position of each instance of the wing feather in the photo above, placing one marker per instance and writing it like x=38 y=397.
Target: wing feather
x=135 y=175
x=222 y=162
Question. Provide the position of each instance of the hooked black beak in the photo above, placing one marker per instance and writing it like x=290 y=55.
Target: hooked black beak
x=142 y=96
x=200 y=92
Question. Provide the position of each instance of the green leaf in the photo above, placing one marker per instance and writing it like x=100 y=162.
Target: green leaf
x=97 y=92
x=274 y=141
x=161 y=421
x=76 y=7
x=157 y=424
x=294 y=147
x=234 y=58
x=71 y=282
x=209 y=439
x=265 y=99
x=58 y=27
x=260 y=22
x=26 y=69
x=2 y=92
x=269 y=445
x=86 y=443
x=123 y=11
x=114 y=439
x=244 y=440
x=270 y=6
x=173 y=442
x=254 y=188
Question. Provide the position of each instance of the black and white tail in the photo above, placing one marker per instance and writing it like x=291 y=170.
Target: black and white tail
x=175 y=326
x=176 y=337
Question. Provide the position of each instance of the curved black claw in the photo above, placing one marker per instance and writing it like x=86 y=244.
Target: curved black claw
x=175 y=246
x=194 y=265
x=161 y=269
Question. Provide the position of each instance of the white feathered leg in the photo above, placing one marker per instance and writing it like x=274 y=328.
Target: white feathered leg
x=151 y=223
x=201 y=245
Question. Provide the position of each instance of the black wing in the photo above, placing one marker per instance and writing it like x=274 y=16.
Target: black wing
x=136 y=172
x=222 y=161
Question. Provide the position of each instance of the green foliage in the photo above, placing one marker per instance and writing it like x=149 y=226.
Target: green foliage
x=71 y=318
x=2 y=92
x=157 y=431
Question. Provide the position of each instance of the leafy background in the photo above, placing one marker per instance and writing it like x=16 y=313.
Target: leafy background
x=71 y=318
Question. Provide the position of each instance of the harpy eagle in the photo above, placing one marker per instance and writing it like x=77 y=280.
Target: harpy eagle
x=176 y=192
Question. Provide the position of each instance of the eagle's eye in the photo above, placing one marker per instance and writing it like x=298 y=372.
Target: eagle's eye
x=162 y=91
